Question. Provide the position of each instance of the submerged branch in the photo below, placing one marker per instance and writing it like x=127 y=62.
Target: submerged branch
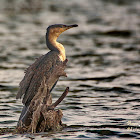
x=60 y=99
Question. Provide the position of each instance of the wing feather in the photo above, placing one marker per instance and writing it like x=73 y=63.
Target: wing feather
x=35 y=74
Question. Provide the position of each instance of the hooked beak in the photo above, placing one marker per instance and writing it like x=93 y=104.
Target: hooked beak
x=63 y=28
x=70 y=26
x=73 y=25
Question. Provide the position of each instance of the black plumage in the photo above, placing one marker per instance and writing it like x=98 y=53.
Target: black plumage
x=34 y=75
x=43 y=67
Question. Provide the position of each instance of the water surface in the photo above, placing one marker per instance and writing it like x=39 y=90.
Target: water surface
x=103 y=68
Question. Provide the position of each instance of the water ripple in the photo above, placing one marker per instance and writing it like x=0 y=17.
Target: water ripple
x=103 y=67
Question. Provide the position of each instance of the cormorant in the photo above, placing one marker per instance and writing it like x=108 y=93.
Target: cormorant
x=40 y=68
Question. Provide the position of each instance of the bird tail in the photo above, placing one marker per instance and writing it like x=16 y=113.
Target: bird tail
x=22 y=114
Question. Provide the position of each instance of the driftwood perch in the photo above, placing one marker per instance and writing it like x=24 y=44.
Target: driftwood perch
x=41 y=115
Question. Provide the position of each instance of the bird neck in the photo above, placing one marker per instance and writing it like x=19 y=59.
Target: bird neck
x=52 y=44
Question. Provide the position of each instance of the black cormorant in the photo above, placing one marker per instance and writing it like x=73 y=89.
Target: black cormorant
x=40 y=68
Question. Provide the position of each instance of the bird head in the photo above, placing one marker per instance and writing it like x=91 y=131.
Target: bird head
x=56 y=29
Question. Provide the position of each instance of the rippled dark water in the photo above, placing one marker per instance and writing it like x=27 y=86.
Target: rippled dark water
x=103 y=69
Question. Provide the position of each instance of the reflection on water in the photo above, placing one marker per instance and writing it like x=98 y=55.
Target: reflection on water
x=103 y=68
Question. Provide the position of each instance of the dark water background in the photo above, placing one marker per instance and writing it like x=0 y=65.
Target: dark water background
x=103 y=69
